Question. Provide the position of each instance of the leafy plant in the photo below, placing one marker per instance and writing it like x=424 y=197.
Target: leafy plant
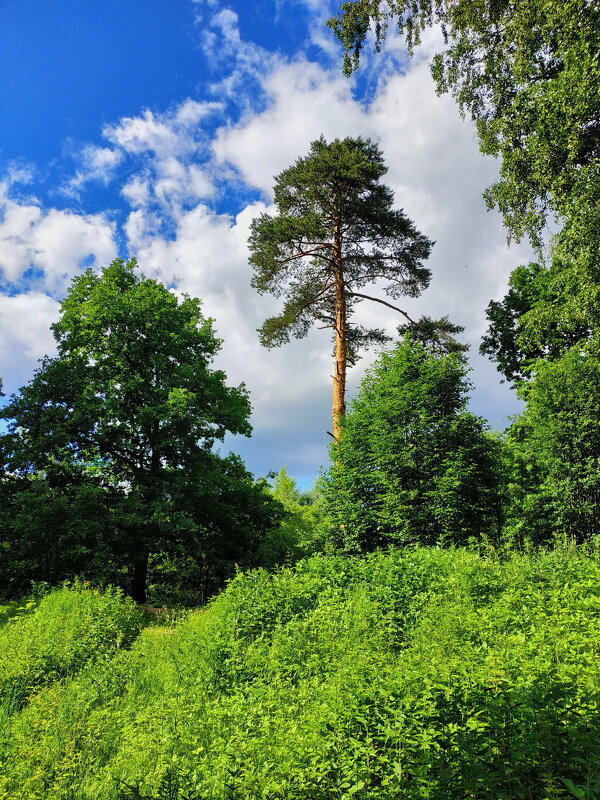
x=414 y=466
x=66 y=630
x=418 y=673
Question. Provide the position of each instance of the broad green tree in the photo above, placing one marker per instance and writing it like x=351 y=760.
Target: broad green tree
x=555 y=449
x=131 y=405
x=335 y=231
x=413 y=466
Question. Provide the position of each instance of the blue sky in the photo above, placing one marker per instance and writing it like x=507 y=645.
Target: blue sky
x=139 y=127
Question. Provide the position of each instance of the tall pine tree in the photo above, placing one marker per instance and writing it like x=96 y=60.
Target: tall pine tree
x=334 y=233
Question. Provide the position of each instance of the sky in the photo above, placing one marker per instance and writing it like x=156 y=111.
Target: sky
x=152 y=129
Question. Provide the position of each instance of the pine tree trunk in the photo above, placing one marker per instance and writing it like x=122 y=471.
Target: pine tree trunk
x=338 y=405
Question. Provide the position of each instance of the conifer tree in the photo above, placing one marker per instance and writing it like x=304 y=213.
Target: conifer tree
x=334 y=233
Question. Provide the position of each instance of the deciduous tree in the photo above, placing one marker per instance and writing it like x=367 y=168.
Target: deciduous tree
x=413 y=465
x=132 y=405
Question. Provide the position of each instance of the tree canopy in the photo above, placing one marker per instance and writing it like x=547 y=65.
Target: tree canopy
x=413 y=466
x=334 y=233
x=131 y=407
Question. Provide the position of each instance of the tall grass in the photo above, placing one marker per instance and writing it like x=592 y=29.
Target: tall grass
x=425 y=674
x=58 y=636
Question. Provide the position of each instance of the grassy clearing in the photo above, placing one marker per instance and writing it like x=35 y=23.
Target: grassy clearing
x=425 y=674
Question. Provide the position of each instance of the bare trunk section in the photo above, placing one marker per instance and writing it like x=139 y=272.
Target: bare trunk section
x=338 y=405
x=139 y=577
x=150 y=531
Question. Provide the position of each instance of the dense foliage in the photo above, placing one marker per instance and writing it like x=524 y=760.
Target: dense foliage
x=302 y=530
x=529 y=75
x=540 y=317
x=55 y=637
x=109 y=452
x=417 y=674
x=544 y=337
x=554 y=449
x=413 y=464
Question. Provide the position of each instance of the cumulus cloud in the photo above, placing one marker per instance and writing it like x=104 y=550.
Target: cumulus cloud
x=53 y=243
x=305 y=100
x=165 y=149
x=242 y=65
x=159 y=154
x=25 y=335
x=148 y=133
x=97 y=164
x=173 y=167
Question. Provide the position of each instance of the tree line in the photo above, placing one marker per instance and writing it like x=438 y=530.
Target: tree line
x=108 y=463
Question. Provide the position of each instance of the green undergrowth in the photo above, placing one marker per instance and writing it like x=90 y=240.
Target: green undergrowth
x=53 y=638
x=414 y=674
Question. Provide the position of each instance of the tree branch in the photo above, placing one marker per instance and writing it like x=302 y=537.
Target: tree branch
x=303 y=254
x=383 y=303
x=310 y=302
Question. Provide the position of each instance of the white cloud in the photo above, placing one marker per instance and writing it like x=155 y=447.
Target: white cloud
x=146 y=133
x=161 y=150
x=168 y=135
x=97 y=164
x=18 y=172
x=226 y=22
x=137 y=191
x=54 y=242
x=276 y=108
x=25 y=335
x=166 y=150
x=322 y=7
x=305 y=101
x=242 y=63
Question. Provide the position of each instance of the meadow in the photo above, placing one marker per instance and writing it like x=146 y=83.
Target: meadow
x=423 y=673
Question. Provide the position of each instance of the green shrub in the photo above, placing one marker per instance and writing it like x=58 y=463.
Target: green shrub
x=418 y=674
x=65 y=630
